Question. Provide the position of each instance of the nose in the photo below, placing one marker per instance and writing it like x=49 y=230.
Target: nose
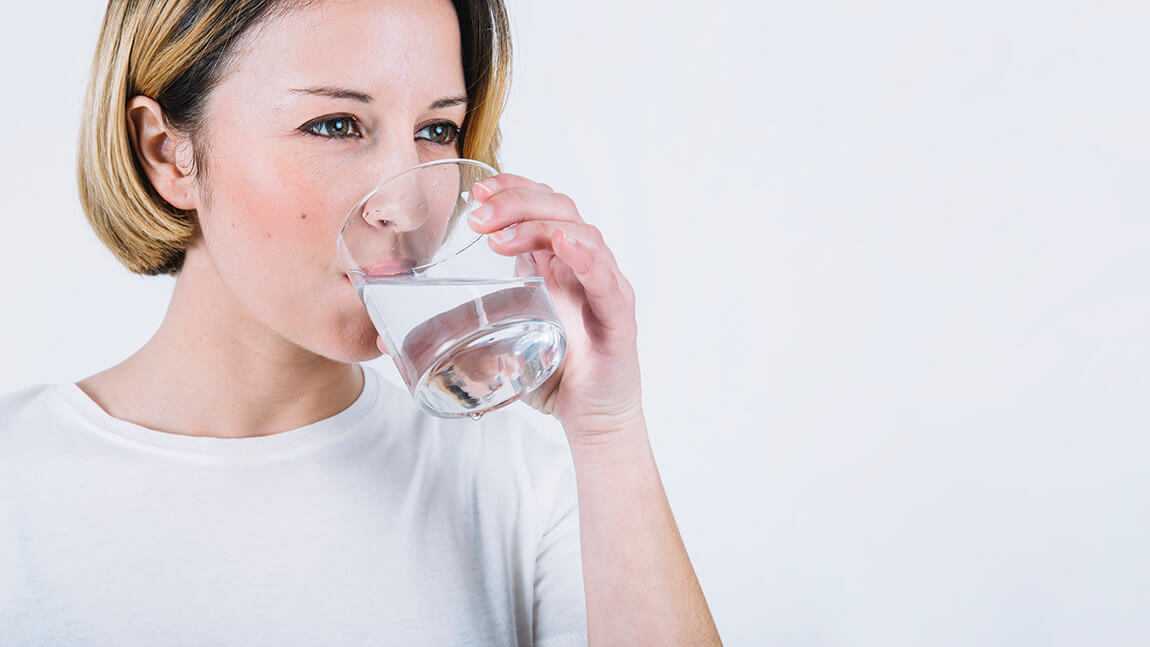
x=402 y=204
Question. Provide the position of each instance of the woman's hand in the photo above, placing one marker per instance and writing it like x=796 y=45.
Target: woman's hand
x=640 y=586
x=596 y=390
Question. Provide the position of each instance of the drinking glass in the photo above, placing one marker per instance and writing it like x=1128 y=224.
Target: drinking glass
x=470 y=330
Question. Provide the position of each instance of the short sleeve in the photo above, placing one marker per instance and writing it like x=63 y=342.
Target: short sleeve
x=560 y=609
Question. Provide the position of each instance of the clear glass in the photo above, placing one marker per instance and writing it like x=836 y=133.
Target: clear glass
x=470 y=330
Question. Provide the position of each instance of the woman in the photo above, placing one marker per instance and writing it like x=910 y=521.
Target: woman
x=241 y=479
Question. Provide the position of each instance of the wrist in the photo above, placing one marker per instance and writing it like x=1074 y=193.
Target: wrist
x=607 y=436
x=593 y=423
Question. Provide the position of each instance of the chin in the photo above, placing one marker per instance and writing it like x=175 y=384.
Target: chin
x=354 y=358
x=364 y=351
x=347 y=344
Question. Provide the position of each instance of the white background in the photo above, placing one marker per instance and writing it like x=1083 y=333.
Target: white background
x=892 y=265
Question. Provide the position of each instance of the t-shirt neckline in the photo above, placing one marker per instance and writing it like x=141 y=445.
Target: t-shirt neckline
x=310 y=435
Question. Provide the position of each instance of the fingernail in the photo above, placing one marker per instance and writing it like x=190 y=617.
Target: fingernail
x=482 y=191
x=504 y=235
x=481 y=214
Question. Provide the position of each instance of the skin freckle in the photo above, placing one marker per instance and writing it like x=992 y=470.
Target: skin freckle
x=303 y=216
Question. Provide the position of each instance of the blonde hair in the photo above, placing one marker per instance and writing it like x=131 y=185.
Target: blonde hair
x=174 y=51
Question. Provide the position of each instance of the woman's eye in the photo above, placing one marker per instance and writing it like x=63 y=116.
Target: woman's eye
x=443 y=133
x=334 y=127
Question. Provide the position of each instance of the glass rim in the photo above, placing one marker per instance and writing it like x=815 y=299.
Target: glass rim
x=458 y=161
x=377 y=187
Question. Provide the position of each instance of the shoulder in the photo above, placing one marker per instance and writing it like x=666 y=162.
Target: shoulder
x=540 y=448
x=538 y=440
x=515 y=448
x=540 y=436
x=21 y=396
x=513 y=451
x=18 y=403
x=23 y=414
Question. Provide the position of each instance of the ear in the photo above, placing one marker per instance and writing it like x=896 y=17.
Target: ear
x=157 y=148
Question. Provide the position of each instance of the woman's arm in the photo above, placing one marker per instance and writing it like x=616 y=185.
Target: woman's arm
x=640 y=586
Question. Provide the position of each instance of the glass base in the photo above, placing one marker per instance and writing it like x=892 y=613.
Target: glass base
x=491 y=369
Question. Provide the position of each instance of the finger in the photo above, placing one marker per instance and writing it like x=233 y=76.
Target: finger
x=554 y=270
x=561 y=278
x=536 y=235
x=517 y=205
x=600 y=282
x=496 y=183
x=540 y=236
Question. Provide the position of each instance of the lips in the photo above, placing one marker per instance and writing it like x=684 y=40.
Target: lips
x=389 y=267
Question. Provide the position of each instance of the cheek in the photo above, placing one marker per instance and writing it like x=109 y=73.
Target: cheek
x=271 y=233
x=279 y=213
x=270 y=228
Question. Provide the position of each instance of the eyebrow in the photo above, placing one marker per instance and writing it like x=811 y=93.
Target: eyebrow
x=344 y=93
x=447 y=102
x=335 y=93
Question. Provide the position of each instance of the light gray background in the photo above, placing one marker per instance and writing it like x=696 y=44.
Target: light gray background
x=891 y=261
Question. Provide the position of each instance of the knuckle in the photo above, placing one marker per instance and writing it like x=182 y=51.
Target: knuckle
x=567 y=204
x=628 y=290
x=509 y=200
x=565 y=201
x=595 y=233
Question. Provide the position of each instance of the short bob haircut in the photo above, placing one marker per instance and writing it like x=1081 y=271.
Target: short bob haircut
x=175 y=52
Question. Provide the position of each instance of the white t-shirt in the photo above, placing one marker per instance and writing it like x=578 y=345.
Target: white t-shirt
x=380 y=525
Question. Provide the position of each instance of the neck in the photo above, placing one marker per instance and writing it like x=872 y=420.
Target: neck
x=213 y=369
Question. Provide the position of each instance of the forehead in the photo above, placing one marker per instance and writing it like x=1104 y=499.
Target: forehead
x=377 y=46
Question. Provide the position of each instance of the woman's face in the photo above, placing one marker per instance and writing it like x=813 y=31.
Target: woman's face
x=317 y=107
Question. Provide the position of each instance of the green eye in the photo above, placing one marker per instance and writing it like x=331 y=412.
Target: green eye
x=443 y=133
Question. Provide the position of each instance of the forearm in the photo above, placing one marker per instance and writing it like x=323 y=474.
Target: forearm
x=640 y=586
